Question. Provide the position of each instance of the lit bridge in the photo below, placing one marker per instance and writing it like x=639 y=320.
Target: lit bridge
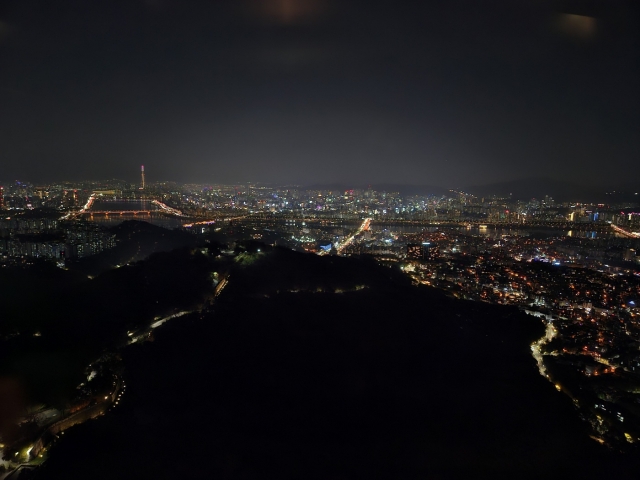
x=118 y=212
x=86 y=209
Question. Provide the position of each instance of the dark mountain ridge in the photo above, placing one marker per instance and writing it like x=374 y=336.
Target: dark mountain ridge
x=291 y=377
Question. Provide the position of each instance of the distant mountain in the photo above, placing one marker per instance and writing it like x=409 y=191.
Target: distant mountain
x=521 y=189
x=411 y=189
x=527 y=188
x=383 y=187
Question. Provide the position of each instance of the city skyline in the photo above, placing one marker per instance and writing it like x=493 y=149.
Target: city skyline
x=521 y=189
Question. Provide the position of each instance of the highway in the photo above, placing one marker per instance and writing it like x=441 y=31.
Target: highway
x=168 y=209
x=85 y=209
x=349 y=240
x=625 y=233
x=211 y=222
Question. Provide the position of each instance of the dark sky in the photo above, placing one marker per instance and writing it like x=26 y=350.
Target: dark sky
x=447 y=93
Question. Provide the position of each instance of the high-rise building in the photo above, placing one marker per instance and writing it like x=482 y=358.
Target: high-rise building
x=41 y=192
x=1 y=197
x=142 y=178
x=629 y=255
x=415 y=251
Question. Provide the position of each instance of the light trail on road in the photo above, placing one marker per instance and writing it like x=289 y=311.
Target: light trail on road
x=348 y=241
x=168 y=209
x=211 y=222
x=84 y=209
x=160 y=321
x=624 y=232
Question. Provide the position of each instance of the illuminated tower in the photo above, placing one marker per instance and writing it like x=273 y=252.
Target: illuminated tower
x=1 y=197
x=142 y=179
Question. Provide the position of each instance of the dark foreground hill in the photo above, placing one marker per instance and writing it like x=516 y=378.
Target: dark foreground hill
x=54 y=322
x=383 y=380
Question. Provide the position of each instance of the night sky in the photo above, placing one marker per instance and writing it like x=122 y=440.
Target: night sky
x=449 y=93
